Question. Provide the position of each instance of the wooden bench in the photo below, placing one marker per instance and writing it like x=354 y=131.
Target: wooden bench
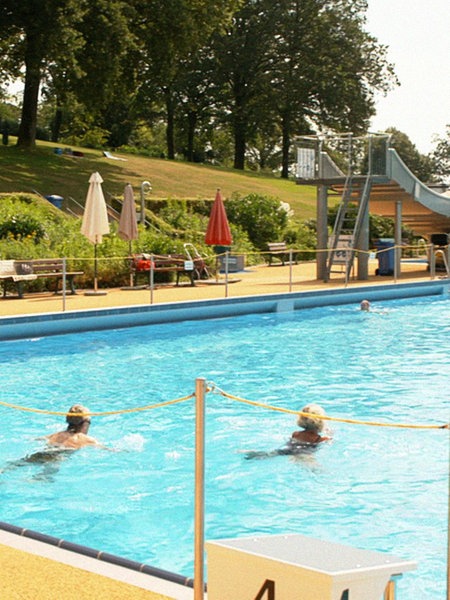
x=165 y=263
x=30 y=270
x=9 y=274
x=280 y=251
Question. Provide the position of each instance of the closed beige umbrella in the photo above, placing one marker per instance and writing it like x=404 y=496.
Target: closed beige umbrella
x=128 y=221
x=128 y=229
x=95 y=220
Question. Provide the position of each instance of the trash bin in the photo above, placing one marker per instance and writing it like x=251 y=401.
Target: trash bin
x=56 y=200
x=386 y=256
x=234 y=262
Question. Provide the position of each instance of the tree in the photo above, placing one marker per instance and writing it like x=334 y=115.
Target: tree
x=195 y=95
x=242 y=54
x=441 y=156
x=419 y=164
x=39 y=32
x=327 y=69
x=301 y=64
x=63 y=41
x=170 y=31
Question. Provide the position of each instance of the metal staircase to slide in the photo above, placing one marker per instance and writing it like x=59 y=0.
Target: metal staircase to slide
x=348 y=224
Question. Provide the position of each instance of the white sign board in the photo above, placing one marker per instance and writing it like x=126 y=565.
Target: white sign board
x=306 y=160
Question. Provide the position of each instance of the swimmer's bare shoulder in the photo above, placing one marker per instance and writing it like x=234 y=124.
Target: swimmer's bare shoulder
x=66 y=439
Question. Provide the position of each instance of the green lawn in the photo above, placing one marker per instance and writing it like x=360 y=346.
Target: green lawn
x=48 y=173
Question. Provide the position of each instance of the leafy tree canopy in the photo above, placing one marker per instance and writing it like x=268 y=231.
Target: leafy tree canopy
x=441 y=156
x=419 y=164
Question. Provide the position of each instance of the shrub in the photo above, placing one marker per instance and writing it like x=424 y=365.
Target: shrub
x=20 y=227
x=302 y=236
x=263 y=218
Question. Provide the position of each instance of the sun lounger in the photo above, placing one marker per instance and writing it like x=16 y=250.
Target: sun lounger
x=107 y=154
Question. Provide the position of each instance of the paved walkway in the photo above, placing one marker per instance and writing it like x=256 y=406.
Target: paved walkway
x=253 y=281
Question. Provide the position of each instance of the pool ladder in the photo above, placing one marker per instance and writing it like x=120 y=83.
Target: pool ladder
x=443 y=254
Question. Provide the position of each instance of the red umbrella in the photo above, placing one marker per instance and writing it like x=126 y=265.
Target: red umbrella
x=218 y=232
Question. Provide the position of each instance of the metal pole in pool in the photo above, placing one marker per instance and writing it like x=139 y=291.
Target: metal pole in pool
x=199 y=511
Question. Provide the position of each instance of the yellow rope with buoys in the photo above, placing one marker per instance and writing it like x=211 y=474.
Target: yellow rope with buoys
x=212 y=388
x=97 y=414
x=326 y=417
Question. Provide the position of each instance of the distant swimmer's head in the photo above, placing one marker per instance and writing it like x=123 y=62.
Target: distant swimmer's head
x=78 y=418
x=312 y=420
x=365 y=305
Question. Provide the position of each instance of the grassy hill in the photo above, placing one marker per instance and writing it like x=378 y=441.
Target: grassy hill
x=48 y=173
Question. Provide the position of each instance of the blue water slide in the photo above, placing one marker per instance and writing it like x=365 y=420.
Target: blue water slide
x=397 y=171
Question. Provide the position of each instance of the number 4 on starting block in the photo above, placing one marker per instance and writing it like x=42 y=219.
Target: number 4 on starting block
x=269 y=588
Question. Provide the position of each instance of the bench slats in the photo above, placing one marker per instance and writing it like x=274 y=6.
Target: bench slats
x=280 y=251
x=19 y=271
x=165 y=263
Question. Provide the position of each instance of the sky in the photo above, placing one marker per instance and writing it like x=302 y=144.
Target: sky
x=417 y=33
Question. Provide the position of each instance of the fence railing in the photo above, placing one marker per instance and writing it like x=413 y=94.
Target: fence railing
x=242 y=274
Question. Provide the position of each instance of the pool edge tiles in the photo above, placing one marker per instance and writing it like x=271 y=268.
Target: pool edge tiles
x=91 y=576
x=56 y=323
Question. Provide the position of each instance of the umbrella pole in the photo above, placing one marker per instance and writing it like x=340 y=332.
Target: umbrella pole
x=95 y=291
x=226 y=274
x=95 y=267
x=131 y=272
x=217 y=268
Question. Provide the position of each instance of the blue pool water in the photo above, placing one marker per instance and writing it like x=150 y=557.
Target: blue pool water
x=377 y=488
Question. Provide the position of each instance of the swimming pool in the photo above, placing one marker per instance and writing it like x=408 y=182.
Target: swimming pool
x=377 y=488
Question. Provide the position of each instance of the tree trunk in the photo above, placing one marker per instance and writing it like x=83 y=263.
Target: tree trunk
x=28 y=122
x=170 y=125
x=56 y=125
x=240 y=143
x=192 y=122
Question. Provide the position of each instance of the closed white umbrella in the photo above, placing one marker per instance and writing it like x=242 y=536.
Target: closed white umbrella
x=95 y=219
x=128 y=229
x=128 y=221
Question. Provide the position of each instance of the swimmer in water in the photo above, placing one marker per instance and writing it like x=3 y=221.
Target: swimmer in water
x=75 y=436
x=60 y=444
x=313 y=426
x=365 y=305
x=311 y=434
